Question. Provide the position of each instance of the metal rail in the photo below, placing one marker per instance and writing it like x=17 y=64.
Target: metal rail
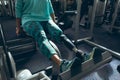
x=115 y=54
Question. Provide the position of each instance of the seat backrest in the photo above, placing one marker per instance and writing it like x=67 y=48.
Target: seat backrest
x=8 y=57
x=6 y=60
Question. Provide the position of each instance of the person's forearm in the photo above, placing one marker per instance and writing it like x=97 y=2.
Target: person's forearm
x=18 y=22
x=53 y=16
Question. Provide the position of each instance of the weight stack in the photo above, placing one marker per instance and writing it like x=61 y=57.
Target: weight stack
x=21 y=49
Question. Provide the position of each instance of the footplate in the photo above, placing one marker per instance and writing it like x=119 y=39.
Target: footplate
x=85 y=68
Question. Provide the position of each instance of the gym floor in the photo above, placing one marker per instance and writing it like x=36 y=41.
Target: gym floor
x=101 y=36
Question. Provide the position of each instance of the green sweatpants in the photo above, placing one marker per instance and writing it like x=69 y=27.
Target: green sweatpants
x=39 y=30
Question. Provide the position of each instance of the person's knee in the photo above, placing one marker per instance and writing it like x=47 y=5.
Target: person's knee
x=63 y=37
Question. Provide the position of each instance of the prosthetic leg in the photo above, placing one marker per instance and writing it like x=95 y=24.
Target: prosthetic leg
x=69 y=44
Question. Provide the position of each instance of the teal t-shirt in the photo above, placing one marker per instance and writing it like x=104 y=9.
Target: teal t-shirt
x=33 y=10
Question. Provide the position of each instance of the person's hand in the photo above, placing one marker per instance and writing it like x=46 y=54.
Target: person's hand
x=17 y=31
x=20 y=32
